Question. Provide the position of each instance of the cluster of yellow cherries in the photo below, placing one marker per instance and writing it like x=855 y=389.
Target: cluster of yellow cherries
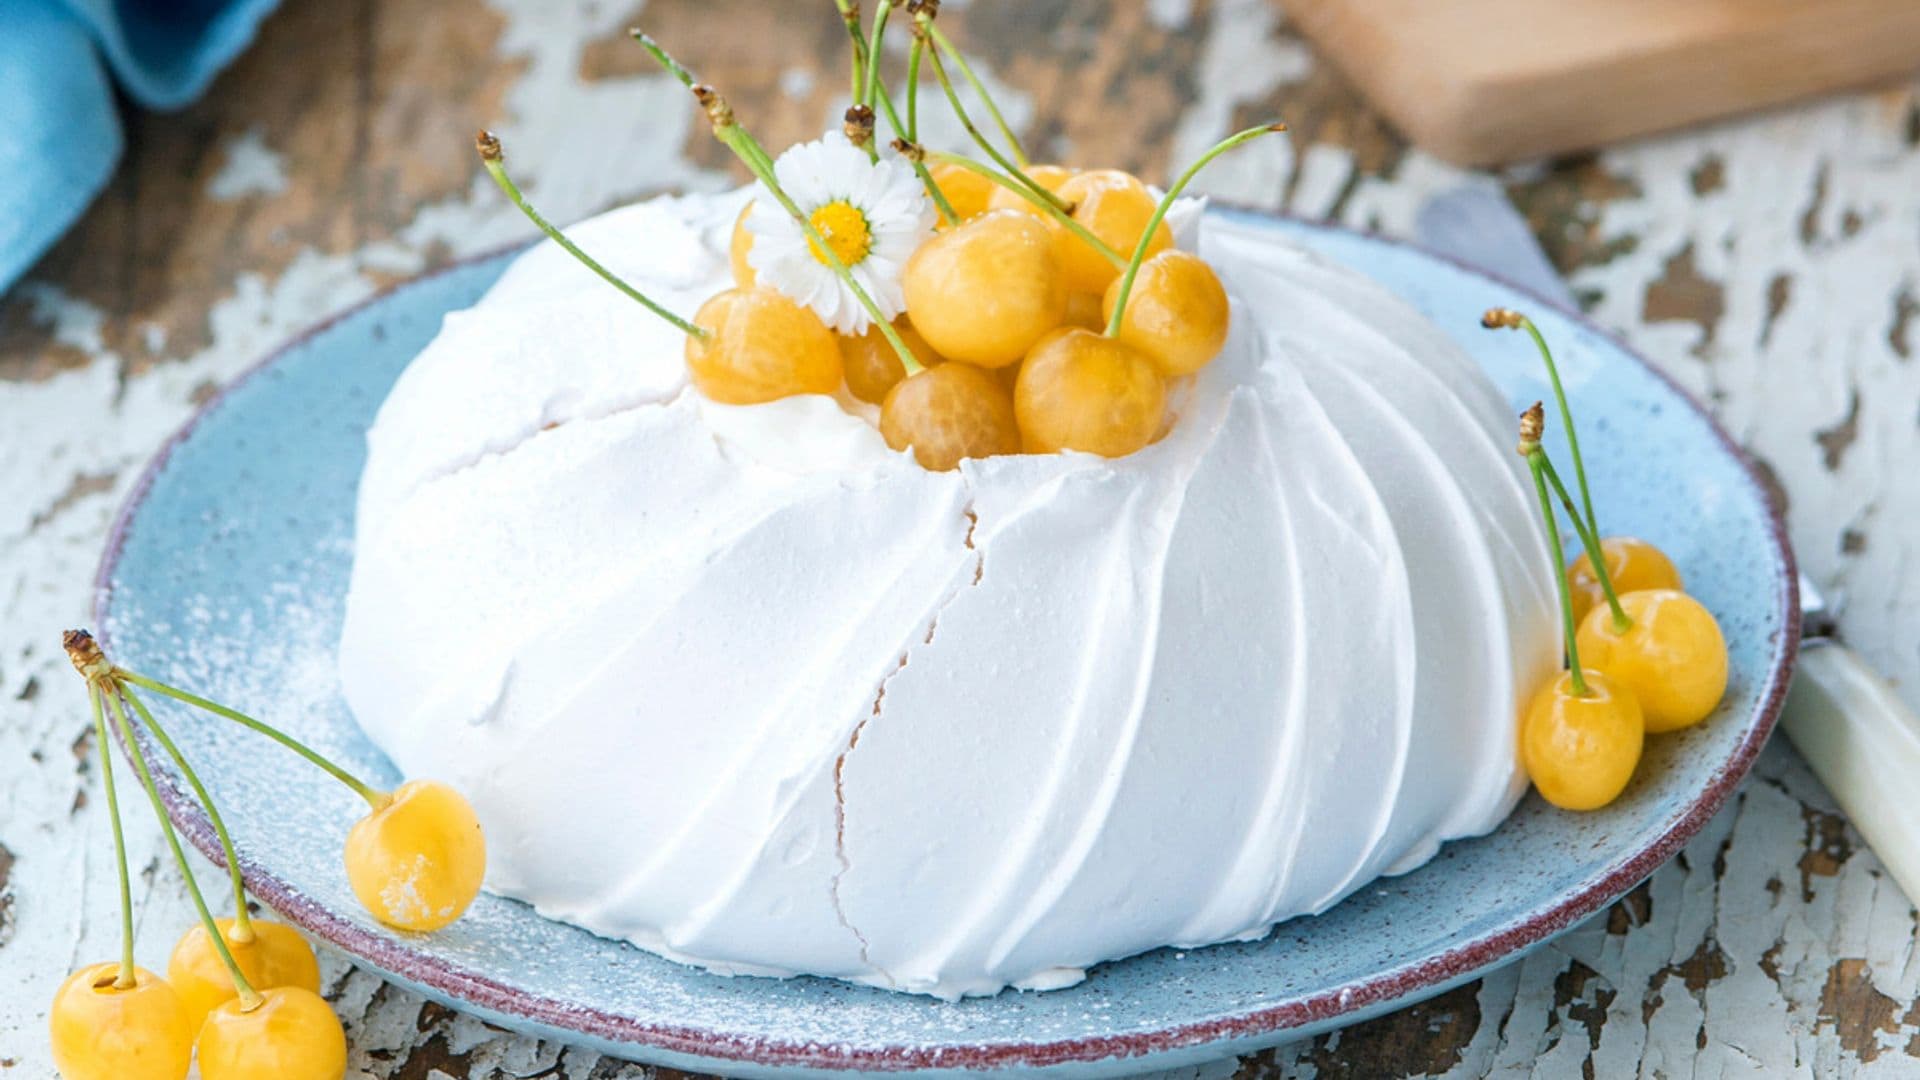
x=1048 y=310
x=240 y=994
x=1642 y=656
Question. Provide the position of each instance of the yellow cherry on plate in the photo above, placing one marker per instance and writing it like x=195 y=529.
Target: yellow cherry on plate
x=1114 y=206
x=760 y=347
x=276 y=956
x=1632 y=564
x=1079 y=390
x=291 y=1035
x=416 y=863
x=1671 y=655
x=103 y=1032
x=949 y=413
x=873 y=367
x=1581 y=749
x=1176 y=312
x=738 y=246
x=986 y=290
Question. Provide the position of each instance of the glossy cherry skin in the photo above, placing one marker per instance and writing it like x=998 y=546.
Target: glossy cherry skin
x=292 y=1035
x=416 y=863
x=1079 y=390
x=760 y=347
x=1632 y=563
x=1177 y=312
x=949 y=413
x=277 y=956
x=1580 y=750
x=1671 y=656
x=100 y=1032
x=985 y=291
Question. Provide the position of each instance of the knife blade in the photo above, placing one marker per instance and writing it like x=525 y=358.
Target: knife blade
x=1856 y=734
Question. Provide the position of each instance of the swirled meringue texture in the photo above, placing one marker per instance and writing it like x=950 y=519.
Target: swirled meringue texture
x=747 y=688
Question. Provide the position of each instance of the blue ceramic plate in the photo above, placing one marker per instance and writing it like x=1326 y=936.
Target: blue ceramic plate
x=227 y=569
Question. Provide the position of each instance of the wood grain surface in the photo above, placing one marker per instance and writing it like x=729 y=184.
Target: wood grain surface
x=1772 y=265
x=1489 y=81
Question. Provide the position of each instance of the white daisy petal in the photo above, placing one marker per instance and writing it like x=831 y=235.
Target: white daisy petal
x=891 y=203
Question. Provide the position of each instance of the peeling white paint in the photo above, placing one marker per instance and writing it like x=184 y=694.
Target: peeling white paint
x=251 y=168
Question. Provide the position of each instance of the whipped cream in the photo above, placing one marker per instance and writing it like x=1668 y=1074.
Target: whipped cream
x=745 y=687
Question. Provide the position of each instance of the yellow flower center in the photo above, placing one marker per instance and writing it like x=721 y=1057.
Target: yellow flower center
x=844 y=228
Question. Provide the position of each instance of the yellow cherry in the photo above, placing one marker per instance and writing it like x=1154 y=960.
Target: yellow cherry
x=737 y=249
x=101 y=1032
x=1115 y=207
x=948 y=413
x=277 y=956
x=417 y=862
x=1049 y=177
x=1081 y=391
x=967 y=191
x=1581 y=749
x=760 y=347
x=985 y=291
x=1176 y=313
x=873 y=367
x=1083 y=310
x=1633 y=564
x=291 y=1035
x=1671 y=656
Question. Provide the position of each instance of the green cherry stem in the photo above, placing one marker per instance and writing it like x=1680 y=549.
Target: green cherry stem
x=1596 y=555
x=758 y=159
x=915 y=53
x=953 y=99
x=1166 y=203
x=915 y=156
x=1577 y=677
x=865 y=96
x=242 y=932
x=1531 y=423
x=850 y=16
x=375 y=799
x=249 y=997
x=1498 y=318
x=127 y=976
x=966 y=71
x=1059 y=216
x=494 y=159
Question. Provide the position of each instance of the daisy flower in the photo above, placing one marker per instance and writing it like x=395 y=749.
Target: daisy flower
x=872 y=214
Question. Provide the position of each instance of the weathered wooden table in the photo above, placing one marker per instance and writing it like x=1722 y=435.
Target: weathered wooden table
x=1771 y=264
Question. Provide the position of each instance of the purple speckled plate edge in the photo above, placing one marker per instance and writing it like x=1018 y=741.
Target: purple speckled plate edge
x=1175 y=1044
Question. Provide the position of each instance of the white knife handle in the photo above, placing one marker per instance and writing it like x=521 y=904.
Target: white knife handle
x=1864 y=744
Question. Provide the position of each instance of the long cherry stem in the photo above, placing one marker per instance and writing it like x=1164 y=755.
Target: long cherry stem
x=1536 y=461
x=1502 y=317
x=873 y=53
x=249 y=997
x=492 y=157
x=1059 y=216
x=1166 y=203
x=1596 y=554
x=128 y=975
x=374 y=798
x=966 y=70
x=915 y=53
x=242 y=921
x=850 y=16
x=960 y=111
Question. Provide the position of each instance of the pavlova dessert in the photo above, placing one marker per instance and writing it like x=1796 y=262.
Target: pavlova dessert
x=948 y=574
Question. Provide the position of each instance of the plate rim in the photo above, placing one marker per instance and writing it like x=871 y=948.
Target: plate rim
x=1407 y=982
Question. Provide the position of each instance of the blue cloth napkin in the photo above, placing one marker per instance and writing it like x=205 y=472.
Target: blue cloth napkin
x=59 y=122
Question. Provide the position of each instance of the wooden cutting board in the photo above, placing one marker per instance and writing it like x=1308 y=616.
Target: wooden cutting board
x=1481 y=82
